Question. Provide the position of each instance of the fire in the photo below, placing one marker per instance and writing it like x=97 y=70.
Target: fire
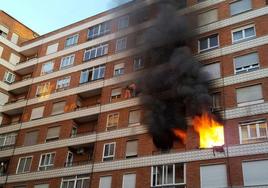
x=210 y=131
x=181 y=134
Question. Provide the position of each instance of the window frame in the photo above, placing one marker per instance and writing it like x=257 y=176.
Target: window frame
x=72 y=57
x=104 y=50
x=51 y=71
x=106 y=24
x=243 y=33
x=109 y=156
x=63 y=86
x=75 y=179
x=74 y=38
x=107 y=121
x=208 y=43
x=11 y=75
x=46 y=166
x=123 y=22
x=121 y=41
x=250 y=139
x=26 y=157
x=235 y=1
x=253 y=68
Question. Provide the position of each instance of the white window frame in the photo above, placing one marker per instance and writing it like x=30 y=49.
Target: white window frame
x=247 y=69
x=243 y=33
x=7 y=138
x=209 y=47
x=44 y=72
x=75 y=180
x=46 y=166
x=256 y=123
x=124 y=176
x=119 y=42
x=104 y=50
x=98 y=27
x=66 y=83
x=45 y=87
x=70 y=59
x=109 y=156
x=11 y=75
x=123 y=22
x=74 y=40
x=69 y=163
x=174 y=171
x=26 y=157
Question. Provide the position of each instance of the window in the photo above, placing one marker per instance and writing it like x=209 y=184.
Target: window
x=9 y=77
x=105 y=182
x=92 y=74
x=108 y=152
x=81 y=181
x=99 y=30
x=8 y=139
x=52 y=48
x=255 y=173
x=251 y=132
x=207 y=17
x=14 y=59
x=112 y=121
x=138 y=63
x=246 y=63
x=46 y=161
x=213 y=176
x=168 y=175
x=208 y=43
x=31 y=138
x=244 y=33
x=58 y=107
x=24 y=165
x=119 y=69
x=63 y=83
x=134 y=117
x=132 y=148
x=3 y=31
x=37 y=113
x=213 y=70
x=53 y=133
x=249 y=95
x=95 y=52
x=71 y=41
x=216 y=101
x=115 y=94
x=240 y=6
x=14 y=38
x=121 y=44
x=69 y=159
x=1 y=50
x=43 y=89
x=67 y=61
x=42 y=186
x=47 y=68
x=129 y=181
x=123 y=22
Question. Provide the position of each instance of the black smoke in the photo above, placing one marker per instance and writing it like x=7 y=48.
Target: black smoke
x=174 y=87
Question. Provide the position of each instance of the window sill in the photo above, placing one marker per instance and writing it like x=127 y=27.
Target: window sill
x=244 y=40
x=207 y=50
x=250 y=103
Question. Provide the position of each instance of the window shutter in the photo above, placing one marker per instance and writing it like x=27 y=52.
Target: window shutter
x=208 y=17
x=105 y=182
x=132 y=147
x=37 y=112
x=255 y=173
x=52 y=48
x=134 y=116
x=14 y=59
x=240 y=6
x=213 y=70
x=1 y=50
x=116 y=92
x=58 y=107
x=129 y=181
x=42 y=186
x=31 y=138
x=213 y=176
x=4 y=29
x=248 y=94
x=14 y=38
x=3 y=98
x=119 y=66
x=246 y=60
x=53 y=132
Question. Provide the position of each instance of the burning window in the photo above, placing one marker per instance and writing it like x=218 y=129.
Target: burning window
x=168 y=175
x=253 y=131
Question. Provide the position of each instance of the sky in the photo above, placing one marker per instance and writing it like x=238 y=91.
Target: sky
x=44 y=16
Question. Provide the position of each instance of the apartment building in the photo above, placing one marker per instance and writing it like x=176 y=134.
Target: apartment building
x=67 y=120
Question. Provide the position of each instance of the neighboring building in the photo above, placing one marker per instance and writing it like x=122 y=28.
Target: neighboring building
x=67 y=122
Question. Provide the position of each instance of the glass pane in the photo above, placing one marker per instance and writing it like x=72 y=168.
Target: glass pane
x=213 y=41
x=249 y=32
x=86 y=183
x=159 y=175
x=79 y=184
x=244 y=132
x=28 y=164
x=106 y=150
x=111 y=149
x=71 y=184
x=169 y=175
x=21 y=165
x=179 y=173
x=253 y=131
x=203 y=44
x=238 y=35
x=64 y=185
x=263 y=129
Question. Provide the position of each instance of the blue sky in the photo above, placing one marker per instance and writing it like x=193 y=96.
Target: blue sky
x=44 y=16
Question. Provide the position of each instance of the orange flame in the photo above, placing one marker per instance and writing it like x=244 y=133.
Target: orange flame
x=210 y=131
x=181 y=134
